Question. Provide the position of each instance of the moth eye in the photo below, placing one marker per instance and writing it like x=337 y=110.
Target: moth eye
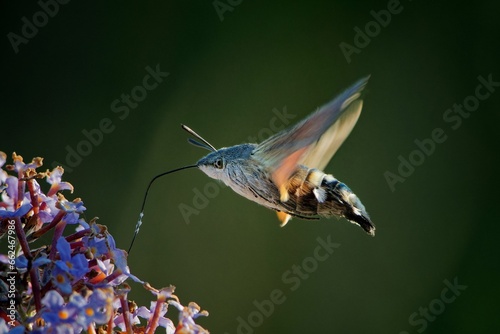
x=218 y=164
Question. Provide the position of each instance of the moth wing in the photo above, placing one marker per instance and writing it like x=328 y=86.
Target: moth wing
x=320 y=153
x=282 y=152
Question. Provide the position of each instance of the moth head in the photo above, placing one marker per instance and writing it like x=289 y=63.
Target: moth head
x=213 y=164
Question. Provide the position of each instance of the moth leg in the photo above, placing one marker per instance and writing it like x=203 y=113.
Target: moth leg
x=283 y=217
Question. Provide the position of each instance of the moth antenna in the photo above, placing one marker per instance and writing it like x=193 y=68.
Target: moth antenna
x=198 y=136
x=139 y=222
x=198 y=144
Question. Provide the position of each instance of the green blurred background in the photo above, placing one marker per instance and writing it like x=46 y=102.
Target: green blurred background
x=225 y=79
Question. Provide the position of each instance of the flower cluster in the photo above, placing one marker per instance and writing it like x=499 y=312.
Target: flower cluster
x=77 y=282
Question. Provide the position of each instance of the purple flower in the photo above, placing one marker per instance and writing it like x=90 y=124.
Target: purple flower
x=119 y=257
x=106 y=248
x=99 y=308
x=119 y=321
x=61 y=280
x=79 y=286
x=22 y=262
x=72 y=209
x=97 y=246
x=56 y=313
x=164 y=322
x=75 y=206
x=54 y=178
x=11 y=190
x=68 y=269
x=77 y=266
x=78 y=313
x=47 y=204
x=23 y=209
x=20 y=167
x=187 y=315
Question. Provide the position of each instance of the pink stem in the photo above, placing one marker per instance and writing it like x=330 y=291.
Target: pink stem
x=92 y=263
x=153 y=321
x=76 y=244
x=113 y=276
x=22 y=239
x=126 y=314
x=50 y=225
x=33 y=196
x=20 y=192
x=35 y=283
x=58 y=231
x=35 y=286
x=78 y=235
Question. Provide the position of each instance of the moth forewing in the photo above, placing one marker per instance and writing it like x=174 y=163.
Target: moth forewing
x=325 y=148
x=283 y=152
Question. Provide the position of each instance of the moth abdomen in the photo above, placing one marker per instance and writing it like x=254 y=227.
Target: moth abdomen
x=306 y=190
x=343 y=202
x=314 y=193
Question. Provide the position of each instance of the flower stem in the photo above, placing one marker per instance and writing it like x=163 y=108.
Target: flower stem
x=78 y=235
x=57 y=234
x=20 y=193
x=33 y=196
x=50 y=225
x=126 y=314
x=35 y=286
x=113 y=276
x=22 y=239
x=35 y=282
x=153 y=321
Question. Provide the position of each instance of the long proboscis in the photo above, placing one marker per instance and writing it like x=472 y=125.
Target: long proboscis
x=139 y=222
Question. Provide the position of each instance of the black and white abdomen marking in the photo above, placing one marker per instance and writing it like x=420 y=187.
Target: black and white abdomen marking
x=314 y=193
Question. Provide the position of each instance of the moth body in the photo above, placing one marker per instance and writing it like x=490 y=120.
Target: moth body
x=310 y=192
x=284 y=173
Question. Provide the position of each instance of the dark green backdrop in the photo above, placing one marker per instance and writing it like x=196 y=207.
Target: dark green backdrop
x=225 y=78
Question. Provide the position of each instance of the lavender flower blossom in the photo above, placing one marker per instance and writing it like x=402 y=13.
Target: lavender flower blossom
x=76 y=283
